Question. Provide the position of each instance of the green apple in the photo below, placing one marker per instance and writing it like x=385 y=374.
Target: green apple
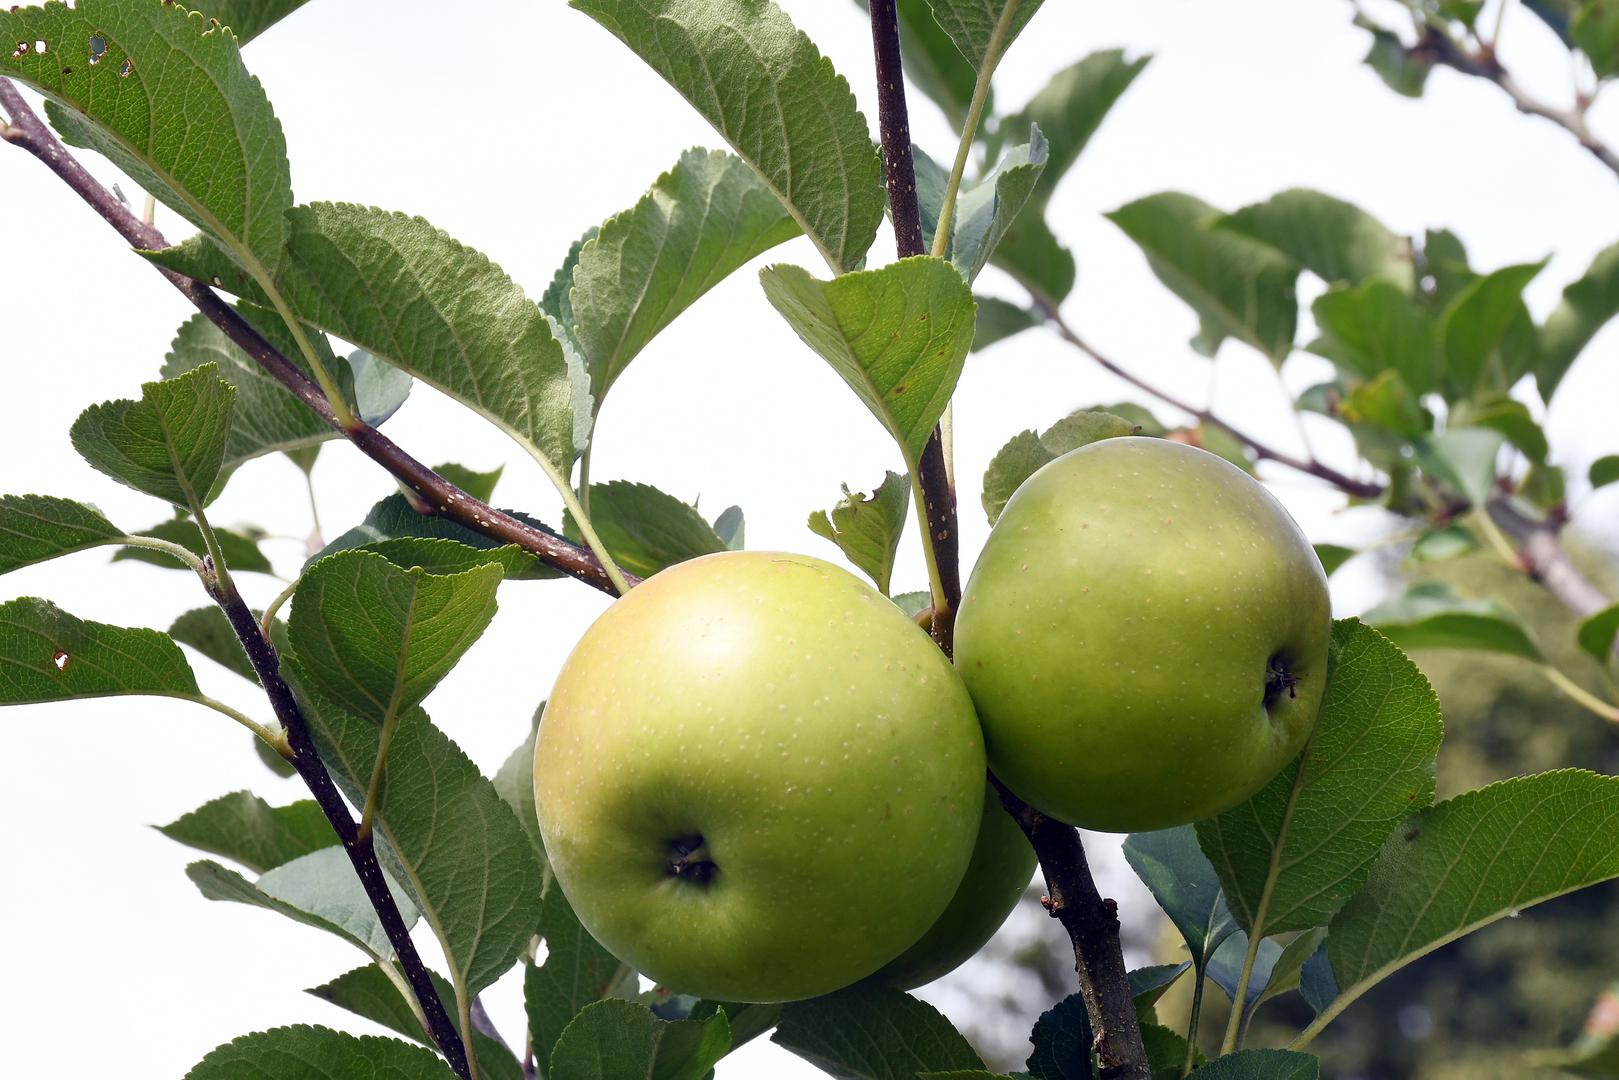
x=1001 y=866
x=1145 y=637
x=757 y=779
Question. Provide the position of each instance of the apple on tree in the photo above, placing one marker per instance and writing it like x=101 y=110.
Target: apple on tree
x=1145 y=637
x=757 y=779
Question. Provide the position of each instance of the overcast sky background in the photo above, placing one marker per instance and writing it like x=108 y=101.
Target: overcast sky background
x=514 y=124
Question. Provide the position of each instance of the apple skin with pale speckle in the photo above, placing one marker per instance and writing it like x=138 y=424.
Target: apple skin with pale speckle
x=1145 y=637
x=757 y=779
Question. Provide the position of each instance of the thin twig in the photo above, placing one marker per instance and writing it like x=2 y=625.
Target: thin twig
x=1092 y=923
x=430 y=493
x=1543 y=557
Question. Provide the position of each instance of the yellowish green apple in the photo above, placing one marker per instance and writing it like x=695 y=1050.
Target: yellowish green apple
x=1145 y=637
x=757 y=779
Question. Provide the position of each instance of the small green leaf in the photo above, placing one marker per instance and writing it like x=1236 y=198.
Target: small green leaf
x=576 y=972
x=748 y=1021
x=48 y=655
x=1335 y=240
x=1148 y=984
x=1375 y=326
x=1182 y=880
x=1586 y=307
x=1464 y=458
x=1446 y=542
x=1486 y=336
x=768 y=90
x=1000 y=319
x=170 y=443
x=985 y=210
x=1290 y=856
x=1595 y=30
x=873 y=1033
x=246 y=829
x=375 y=638
x=898 y=336
x=622 y=1040
x=971 y=24
x=34 y=528
x=646 y=530
x=1027 y=453
x=1597 y=634
x=1261 y=1065
x=209 y=632
x=315 y=1053
x=1333 y=556
x=1061 y=1042
x=1238 y=286
x=1604 y=471
x=702 y=219
x=241 y=551
x=1401 y=69
x=1463 y=864
x=867 y=528
x=1430 y=616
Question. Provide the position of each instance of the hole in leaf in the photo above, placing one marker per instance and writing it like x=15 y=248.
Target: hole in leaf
x=60 y=658
x=98 y=48
x=22 y=47
x=39 y=46
x=125 y=68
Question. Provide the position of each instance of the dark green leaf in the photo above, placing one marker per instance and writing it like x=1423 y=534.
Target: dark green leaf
x=867 y=528
x=1486 y=336
x=393 y=519
x=1401 y=69
x=768 y=90
x=241 y=551
x=1261 y=1065
x=170 y=443
x=576 y=972
x=1430 y=616
x=314 y=1053
x=1586 y=307
x=1286 y=971
x=622 y=1040
x=1604 y=471
x=972 y=25
x=748 y=1021
x=1333 y=556
x=1061 y=1040
x=34 y=528
x=246 y=829
x=1335 y=240
x=645 y=530
x=1000 y=319
x=209 y=632
x=1372 y=327
x=1183 y=882
x=48 y=655
x=873 y=1033
x=1070 y=109
x=1597 y=634
x=1595 y=30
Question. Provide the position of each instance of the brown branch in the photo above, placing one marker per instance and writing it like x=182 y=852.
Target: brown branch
x=1091 y=922
x=1544 y=558
x=360 y=850
x=430 y=492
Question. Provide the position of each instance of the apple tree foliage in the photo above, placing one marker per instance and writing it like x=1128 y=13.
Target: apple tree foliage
x=1338 y=873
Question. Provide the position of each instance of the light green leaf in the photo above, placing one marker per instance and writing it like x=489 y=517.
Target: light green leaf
x=873 y=1033
x=999 y=319
x=375 y=638
x=246 y=829
x=1430 y=616
x=985 y=210
x=1261 y=1065
x=646 y=530
x=247 y=19
x=1595 y=30
x=768 y=90
x=1465 y=863
x=48 y=655
x=1375 y=326
x=576 y=972
x=34 y=528
x=702 y=219
x=168 y=103
x=1036 y=259
x=971 y=24
x=1508 y=416
x=1070 y=109
x=1463 y=458
x=1289 y=857
x=1027 y=452
x=1597 y=633
x=622 y=1040
x=731 y=527
x=170 y=443
x=1238 y=286
x=319 y=889
x=1335 y=240
x=898 y=336
x=441 y=557
x=241 y=551
x=1586 y=307
x=315 y=1053
x=1486 y=335
x=1446 y=542
x=867 y=528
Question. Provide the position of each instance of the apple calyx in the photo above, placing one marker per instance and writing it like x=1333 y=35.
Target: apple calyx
x=1277 y=679
x=688 y=859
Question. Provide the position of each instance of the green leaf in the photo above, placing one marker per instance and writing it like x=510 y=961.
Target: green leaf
x=731 y=527
x=867 y=528
x=48 y=655
x=368 y=992
x=1239 y=287
x=1595 y=30
x=409 y=294
x=1586 y=307
x=1597 y=633
x=971 y=25
x=768 y=90
x=622 y=1040
x=1401 y=69
x=1464 y=863
x=1486 y=335
x=873 y=1033
x=1430 y=616
x=247 y=19
x=748 y=1021
x=1604 y=471
x=442 y=558
x=1290 y=856
x=646 y=530
x=1333 y=556
x=34 y=528
x=1287 y=971
x=702 y=219
x=375 y=638
x=319 y=889
x=209 y=632
x=170 y=443
x=898 y=336
x=1035 y=259
x=1510 y=417
x=448 y=835
x=393 y=519
x=1335 y=240
x=1183 y=881
x=246 y=829
x=1061 y=1041
x=985 y=210
x=1225 y=967
x=479 y=484
x=1446 y=542
x=241 y=551
x=1069 y=109
x=1261 y=1065
x=1373 y=327
x=1596 y=1051
x=1148 y=984
x=1446 y=260
x=170 y=105
x=576 y=972
x=1027 y=453
x=1000 y=319
x=1317 y=986
x=1464 y=458
x=1166 y=1052
x=315 y=1053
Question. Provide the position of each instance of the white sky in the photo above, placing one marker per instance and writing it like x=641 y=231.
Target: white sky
x=514 y=125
